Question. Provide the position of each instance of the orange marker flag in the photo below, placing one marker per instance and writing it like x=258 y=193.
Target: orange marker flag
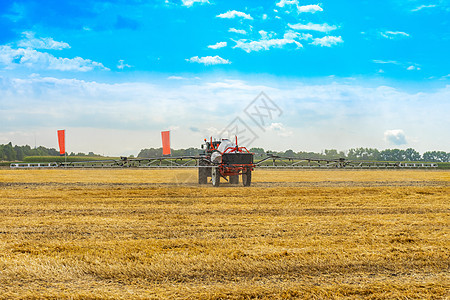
x=62 y=141
x=165 y=135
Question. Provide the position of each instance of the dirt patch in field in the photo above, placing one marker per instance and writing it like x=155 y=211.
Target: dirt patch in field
x=225 y=184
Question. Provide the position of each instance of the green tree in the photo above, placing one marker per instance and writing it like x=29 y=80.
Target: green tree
x=257 y=151
x=393 y=155
x=333 y=154
x=412 y=155
x=8 y=152
x=363 y=154
x=289 y=153
x=152 y=152
x=19 y=153
x=304 y=154
x=436 y=156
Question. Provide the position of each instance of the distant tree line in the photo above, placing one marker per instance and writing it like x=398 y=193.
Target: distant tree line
x=8 y=152
x=369 y=154
x=157 y=152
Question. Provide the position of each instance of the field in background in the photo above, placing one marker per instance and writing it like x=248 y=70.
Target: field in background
x=157 y=234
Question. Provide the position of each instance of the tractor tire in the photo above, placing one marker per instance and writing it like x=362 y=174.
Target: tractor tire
x=247 y=178
x=203 y=173
x=234 y=179
x=215 y=176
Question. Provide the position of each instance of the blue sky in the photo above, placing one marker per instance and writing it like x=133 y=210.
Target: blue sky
x=114 y=73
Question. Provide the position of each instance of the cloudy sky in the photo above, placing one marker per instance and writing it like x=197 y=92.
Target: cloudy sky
x=283 y=74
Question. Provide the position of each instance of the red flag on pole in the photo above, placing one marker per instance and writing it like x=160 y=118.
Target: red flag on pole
x=165 y=135
x=62 y=141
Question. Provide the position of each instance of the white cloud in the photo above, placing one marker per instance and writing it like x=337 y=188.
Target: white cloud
x=300 y=8
x=264 y=44
x=314 y=27
x=240 y=31
x=394 y=34
x=295 y=35
x=122 y=65
x=265 y=35
x=408 y=66
x=209 y=60
x=291 y=35
x=309 y=8
x=264 y=17
x=279 y=129
x=218 y=45
x=268 y=41
x=26 y=55
x=395 y=137
x=327 y=41
x=233 y=14
x=413 y=68
x=30 y=58
x=422 y=7
x=282 y=3
x=40 y=43
x=176 y=78
x=189 y=3
x=378 y=61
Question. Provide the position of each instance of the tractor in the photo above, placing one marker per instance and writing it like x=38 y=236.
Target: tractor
x=223 y=159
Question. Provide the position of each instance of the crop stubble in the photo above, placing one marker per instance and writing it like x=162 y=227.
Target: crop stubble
x=157 y=234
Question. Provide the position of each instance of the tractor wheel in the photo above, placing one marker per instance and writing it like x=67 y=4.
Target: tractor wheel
x=203 y=173
x=215 y=174
x=247 y=178
x=234 y=179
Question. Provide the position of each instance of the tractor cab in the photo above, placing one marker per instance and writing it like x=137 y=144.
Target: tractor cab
x=210 y=146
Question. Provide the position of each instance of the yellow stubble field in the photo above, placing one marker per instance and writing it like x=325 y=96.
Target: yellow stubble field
x=156 y=234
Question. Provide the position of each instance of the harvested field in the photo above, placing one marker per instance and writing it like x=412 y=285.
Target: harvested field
x=112 y=234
